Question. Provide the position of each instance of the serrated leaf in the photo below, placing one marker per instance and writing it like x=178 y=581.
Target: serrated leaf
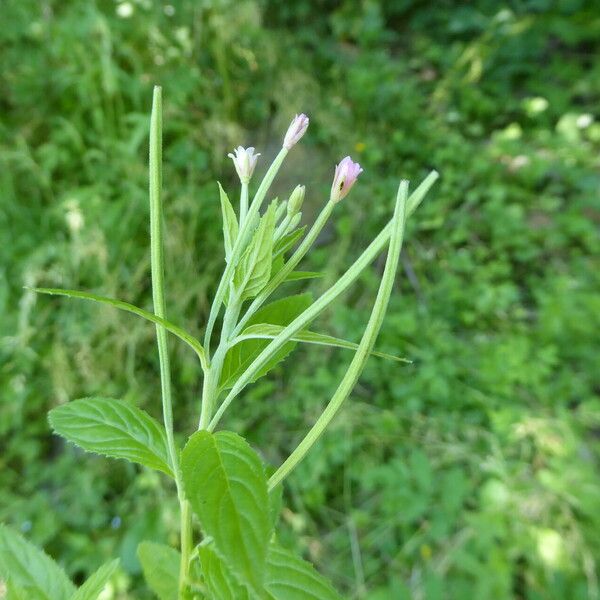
x=183 y=335
x=301 y=275
x=113 y=428
x=254 y=269
x=280 y=312
x=30 y=570
x=94 y=585
x=291 y=578
x=226 y=485
x=268 y=331
x=160 y=564
x=219 y=582
x=230 y=223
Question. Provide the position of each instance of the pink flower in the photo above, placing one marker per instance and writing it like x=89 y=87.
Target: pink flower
x=295 y=131
x=346 y=174
x=244 y=161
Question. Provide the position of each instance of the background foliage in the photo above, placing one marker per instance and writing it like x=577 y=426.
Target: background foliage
x=472 y=472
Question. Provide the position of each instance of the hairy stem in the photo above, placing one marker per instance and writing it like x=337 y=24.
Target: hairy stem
x=243 y=203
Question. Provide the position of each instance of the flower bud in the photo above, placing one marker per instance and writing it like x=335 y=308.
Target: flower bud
x=295 y=131
x=345 y=176
x=295 y=201
x=294 y=222
x=244 y=161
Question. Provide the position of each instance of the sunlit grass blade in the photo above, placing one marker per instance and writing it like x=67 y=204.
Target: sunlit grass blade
x=177 y=331
x=365 y=347
x=268 y=331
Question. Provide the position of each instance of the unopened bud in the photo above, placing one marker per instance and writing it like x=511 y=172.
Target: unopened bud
x=345 y=176
x=295 y=131
x=295 y=201
x=294 y=222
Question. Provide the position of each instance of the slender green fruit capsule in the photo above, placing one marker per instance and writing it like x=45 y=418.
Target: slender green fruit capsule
x=296 y=200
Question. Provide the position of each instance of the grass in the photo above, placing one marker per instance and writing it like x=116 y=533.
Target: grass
x=471 y=472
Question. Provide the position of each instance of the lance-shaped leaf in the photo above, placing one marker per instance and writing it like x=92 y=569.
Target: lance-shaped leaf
x=113 y=428
x=30 y=571
x=267 y=331
x=254 y=269
x=160 y=564
x=278 y=313
x=291 y=578
x=219 y=581
x=94 y=585
x=183 y=335
x=226 y=485
x=302 y=275
x=230 y=223
x=288 y=241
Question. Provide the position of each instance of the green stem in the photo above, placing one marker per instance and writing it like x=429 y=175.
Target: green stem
x=281 y=228
x=243 y=203
x=158 y=298
x=364 y=348
x=211 y=380
x=240 y=244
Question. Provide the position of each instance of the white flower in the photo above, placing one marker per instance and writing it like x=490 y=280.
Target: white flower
x=244 y=161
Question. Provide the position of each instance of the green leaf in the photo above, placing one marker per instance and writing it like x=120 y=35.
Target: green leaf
x=14 y=592
x=94 y=585
x=288 y=241
x=30 y=570
x=230 y=223
x=183 y=335
x=239 y=356
x=219 y=581
x=301 y=275
x=160 y=564
x=226 y=484
x=254 y=269
x=291 y=578
x=268 y=331
x=113 y=428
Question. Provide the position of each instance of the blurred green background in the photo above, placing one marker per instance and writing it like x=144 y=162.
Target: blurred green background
x=472 y=473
